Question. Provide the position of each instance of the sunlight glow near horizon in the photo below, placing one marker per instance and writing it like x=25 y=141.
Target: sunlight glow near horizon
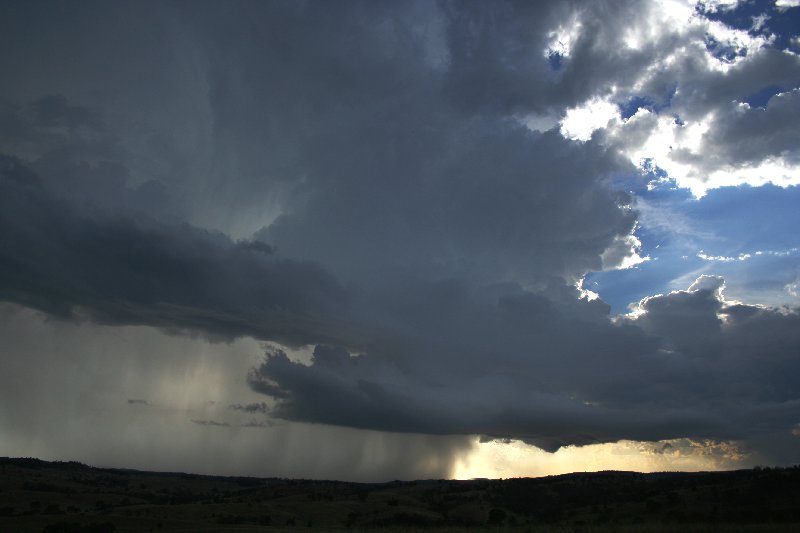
x=496 y=459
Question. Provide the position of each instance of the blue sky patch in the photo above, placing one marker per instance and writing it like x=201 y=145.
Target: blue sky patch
x=745 y=234
x=761 y=97
x=783 y=23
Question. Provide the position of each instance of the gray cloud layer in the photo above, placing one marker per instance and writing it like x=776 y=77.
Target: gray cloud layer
x=688 y=365
x=407 y=222
x=118 y=270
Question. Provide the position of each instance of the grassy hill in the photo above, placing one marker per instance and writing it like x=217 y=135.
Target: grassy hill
x=71 y=497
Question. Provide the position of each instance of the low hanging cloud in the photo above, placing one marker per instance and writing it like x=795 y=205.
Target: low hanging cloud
x=364 y=179
x=211 y=423
x=115 y=269
x=686 y=364
x=138 y=401
x=259 y=407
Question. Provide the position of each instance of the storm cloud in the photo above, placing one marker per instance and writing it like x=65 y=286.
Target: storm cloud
x=412 y=192
x=688 y=364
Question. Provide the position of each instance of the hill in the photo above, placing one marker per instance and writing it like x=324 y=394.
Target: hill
x=71 y=497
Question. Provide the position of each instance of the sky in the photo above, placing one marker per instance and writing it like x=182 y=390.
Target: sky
x=400 y=240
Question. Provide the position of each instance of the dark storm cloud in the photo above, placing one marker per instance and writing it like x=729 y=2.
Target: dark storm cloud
x=117 y=270
x=259 y=407
x=56 y=375
x=211 y=423
x=77 y=159
x=747 y=135
x=137 y=402
x=55 y=110
x=688 y=365
x=384 y=168
x=413 y=228
x=256 y=424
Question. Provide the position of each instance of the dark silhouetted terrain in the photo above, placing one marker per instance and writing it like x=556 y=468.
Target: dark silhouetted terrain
x=71 y=497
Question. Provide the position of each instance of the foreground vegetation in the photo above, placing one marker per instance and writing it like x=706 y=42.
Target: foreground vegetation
x=70 y=497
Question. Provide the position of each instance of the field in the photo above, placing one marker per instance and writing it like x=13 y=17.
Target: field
x=70 y=497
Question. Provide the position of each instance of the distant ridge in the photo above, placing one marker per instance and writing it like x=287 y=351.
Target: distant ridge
x=33 y=462
x=44 y=496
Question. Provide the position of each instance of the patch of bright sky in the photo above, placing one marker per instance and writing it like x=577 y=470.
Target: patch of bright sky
x=501 y=459
x=745 y=234
x=761 y=97
x=697 y=220
x=781 y=19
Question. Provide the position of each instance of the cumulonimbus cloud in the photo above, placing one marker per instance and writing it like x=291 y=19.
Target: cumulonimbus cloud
x=405 y=220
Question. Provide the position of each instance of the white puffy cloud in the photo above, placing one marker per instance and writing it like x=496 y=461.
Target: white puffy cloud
x=786 y=4
x=624 y=253
x=580 y=122
x=696 y=78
